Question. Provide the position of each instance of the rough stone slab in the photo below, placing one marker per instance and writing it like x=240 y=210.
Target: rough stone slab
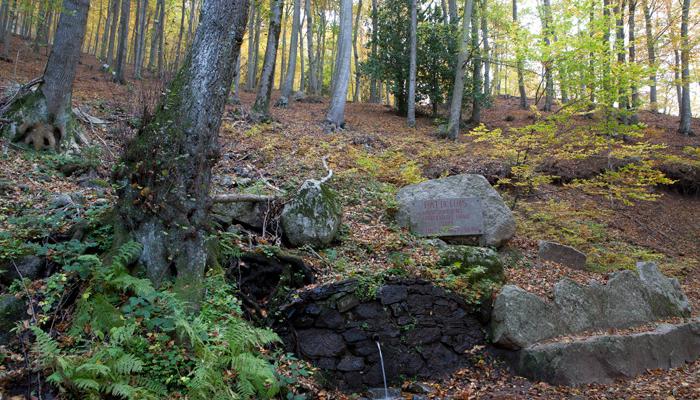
x=562 y=254
x=603 y=359
x=498 y=220
x=520 y=318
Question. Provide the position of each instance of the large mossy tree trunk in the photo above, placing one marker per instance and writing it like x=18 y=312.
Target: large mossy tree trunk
x=165 y=172
x=48 y=108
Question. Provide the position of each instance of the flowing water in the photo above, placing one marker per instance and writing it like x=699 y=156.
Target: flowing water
x=381 y=360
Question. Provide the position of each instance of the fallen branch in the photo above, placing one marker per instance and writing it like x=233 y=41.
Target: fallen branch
x=242 y=198
x=24 y=89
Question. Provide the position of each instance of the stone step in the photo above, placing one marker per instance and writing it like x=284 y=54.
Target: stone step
x=603 y=359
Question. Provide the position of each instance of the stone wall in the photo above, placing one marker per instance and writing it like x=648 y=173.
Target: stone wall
x=423 y=330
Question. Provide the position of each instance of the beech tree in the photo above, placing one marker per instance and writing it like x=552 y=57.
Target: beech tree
x=261 y=107
x=335 y=117
x=293 y=44
x=458 y=88
x=165 y=171
x=411 y=119
x=519 y=62
x=48 y=108
x=123 y=42
x=684 y=105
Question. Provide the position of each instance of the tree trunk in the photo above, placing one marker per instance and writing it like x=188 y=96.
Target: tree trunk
x=5 y=29
x=411 y=106
x=105 y=33
x=313 y=81
x=161 y=39
x=113 y=32
x=256 y=52
x=45 y=116
x=261 y=107
x=633 y=59
x=293 y=45
x=356 y=93
x=454 y=18
x=651 y=54
x=119 y=76
x=283 y=49
x=153 y=54
x=458 y=87
x=623 y=100
x=476 y=73
x=335 y=118
x=302 y=75
x=164 y=201
x=180 y=34
x=250 y=78
x=374 y=90
x=548 y=62
x=236 y=98
x=685 y=112
x=138 y=63
x=485 y=54
x=519 y=63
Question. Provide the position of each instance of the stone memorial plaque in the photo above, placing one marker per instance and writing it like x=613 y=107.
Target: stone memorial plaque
x=447 y=217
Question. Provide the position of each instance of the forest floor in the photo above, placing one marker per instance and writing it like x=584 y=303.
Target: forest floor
x=371 y=159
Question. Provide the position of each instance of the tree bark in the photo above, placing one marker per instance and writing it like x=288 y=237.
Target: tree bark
x=250 y=77
x=261 y=107
x=356 y=92
x=519 y=63
x=374 y=89
x=5 y=28
x=180 y=34
x=476 y=72
x=622 y=100
x=411 y=106
x=548 y=62
x=48 y=109
x=140 y=48
x=119 y=75
x=113 y=32
x=633 y=59
x=164 y=201
x=335 y=118
x=458 y=87
x=236 y=98
x=293 y=46
x=485 y=54
x=685 y=113
x=651 y=55
x=312 y=78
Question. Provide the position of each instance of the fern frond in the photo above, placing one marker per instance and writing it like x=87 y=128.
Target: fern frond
x=127 y=364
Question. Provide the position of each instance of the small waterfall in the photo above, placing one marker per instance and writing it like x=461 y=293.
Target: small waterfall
x=381 y=360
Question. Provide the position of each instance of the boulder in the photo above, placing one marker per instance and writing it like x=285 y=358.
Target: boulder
x=12 y=310
x=467 y=258
x=313 y=216
x=603 y=359
x=520 y=318
x=499 y=223
x=666 y=294
x=250 y=213
x=29 y=267
x=562 y=254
